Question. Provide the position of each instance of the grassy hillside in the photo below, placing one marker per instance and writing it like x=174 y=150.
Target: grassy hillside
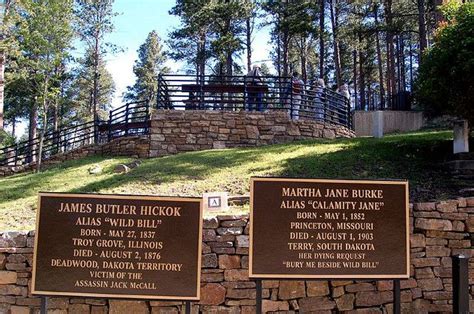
x=414 y=156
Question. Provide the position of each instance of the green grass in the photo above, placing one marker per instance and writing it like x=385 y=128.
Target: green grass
x=414 y=156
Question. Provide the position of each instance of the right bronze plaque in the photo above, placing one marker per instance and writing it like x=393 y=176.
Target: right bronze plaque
x=317 y=228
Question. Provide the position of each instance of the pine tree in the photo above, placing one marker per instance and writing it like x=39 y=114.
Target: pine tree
x=94 y=22
x=81 y=92
x=150 y=63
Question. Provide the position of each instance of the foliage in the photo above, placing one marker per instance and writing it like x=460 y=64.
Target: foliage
x=150 y=63
x=209 y=29
x=6 y=139
x=94 y=22
x=444 y=85
x=80 y=93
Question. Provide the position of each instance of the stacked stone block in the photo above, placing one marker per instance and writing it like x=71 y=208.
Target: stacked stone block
x=174 y=131
x=438 y=231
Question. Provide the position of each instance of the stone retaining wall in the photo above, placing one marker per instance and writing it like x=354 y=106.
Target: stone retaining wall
x=174 y=131
x=439 y=230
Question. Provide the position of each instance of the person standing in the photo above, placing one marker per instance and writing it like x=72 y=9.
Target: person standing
x=296 y=92
x=320 y=99
x=254 y=81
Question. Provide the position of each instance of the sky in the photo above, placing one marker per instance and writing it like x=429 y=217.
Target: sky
x=139 y=17
x=135 y=19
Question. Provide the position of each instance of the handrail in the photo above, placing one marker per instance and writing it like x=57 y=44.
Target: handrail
x=134 y=121
x=269 y=93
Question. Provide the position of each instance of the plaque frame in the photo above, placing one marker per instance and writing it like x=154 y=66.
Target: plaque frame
x=406 y=275
x=45 y=294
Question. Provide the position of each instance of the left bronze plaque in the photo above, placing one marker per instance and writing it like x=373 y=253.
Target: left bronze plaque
x=118 y=246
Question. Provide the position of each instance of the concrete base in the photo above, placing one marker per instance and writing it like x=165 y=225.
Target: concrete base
x=461 y=137
x=393 y=121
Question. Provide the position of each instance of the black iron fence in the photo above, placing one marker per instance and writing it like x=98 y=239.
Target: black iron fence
x=269 y=93
x=130 y=119
x=185 y=92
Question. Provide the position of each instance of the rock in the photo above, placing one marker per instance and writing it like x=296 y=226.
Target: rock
x=437 y=251
x=13 y=239
x=274 y=306
x=311 y=304
x=236 y=275
x=317 y=288
x=212 y=294
x=121 y=169
x=242 y=241
x=78 y=308
x=364 y=286
x=134 y=164
x=209 y=261
x=95 y=169
x=135 y=307
x=431 y=284
x=291 y=289
x=470 y=224
x=229 y=261
x=433 y=224
x=417 y=240
x=345 y=303
x=8 y=277
x=20 y=309
x=447 y=206
x=371 y=298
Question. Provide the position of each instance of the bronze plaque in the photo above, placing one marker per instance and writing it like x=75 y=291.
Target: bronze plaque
x=118 y=246
x=311 y=228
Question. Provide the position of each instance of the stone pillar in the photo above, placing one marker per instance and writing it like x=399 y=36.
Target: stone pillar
x=461 y=137
x=377 y=131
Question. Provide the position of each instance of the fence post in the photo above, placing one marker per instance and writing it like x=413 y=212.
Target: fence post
x=159 y=92
x=460 y=284
x=349 y=124
x=109 y=127
x=291 y=99
x=96 y=131
x=126 y=119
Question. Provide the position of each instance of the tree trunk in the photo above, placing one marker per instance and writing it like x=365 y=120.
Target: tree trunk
x=362 y=95
x=6 y=9
x=2 y=86
x=321 y=38
x=45 y=124
x=32 y=130
x=13 y=127
x=249 y=44
x=402 y=64
x=95 y=92
x=391 y=71
x=356 y=95
x=304 y=50
x=422 y=26
x=337 y=57
x=379 y=58
x=363 y=101
x=285 y=48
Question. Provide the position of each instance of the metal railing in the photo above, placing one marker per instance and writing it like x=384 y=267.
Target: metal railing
x=235 y=93
x=129 y=119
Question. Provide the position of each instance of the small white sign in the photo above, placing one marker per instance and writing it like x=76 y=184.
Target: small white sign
x=215 y=201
